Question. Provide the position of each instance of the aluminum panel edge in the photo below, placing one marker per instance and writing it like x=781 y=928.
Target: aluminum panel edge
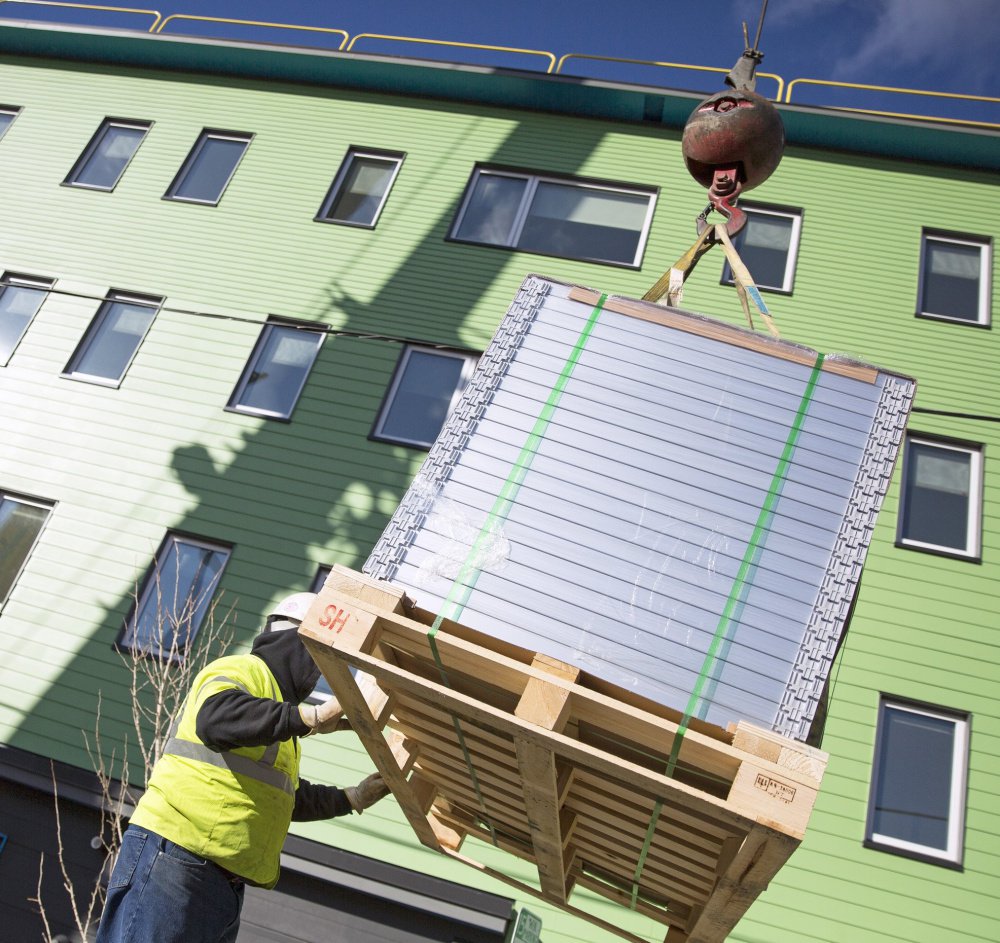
x=417 y=503
x=829 y=620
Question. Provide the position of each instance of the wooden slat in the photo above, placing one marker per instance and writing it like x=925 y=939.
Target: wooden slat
x=759 y=858
x=500 y=671
x=692 y=324
x=547 y=706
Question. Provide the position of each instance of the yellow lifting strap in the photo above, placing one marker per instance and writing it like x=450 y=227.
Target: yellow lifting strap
x=671 y=283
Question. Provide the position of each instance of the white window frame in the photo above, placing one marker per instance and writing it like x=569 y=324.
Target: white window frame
x=952 y=854
x=46 y=506
x=788 y=279
x=72 y=178
x=206 y=135
x=353 y=154
x=94 y=332
x=11 y=110
x=15 y=280
x=468 y=368
x=985 y=247
x=973 y=541
x=255 y=355
x=148 y=590
x=524 y=208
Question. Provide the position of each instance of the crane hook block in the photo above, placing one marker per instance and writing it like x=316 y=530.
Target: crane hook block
x=735 y=128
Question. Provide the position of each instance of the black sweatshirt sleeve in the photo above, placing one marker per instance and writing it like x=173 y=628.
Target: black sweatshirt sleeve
x=234 y=718
x=314 y=802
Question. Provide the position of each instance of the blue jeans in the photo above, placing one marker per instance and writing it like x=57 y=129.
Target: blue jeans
x=161 y=893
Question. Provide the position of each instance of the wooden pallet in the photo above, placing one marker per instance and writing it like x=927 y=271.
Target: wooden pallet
x=560 y=769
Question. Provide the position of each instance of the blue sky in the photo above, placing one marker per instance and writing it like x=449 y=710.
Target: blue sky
x=937 y=45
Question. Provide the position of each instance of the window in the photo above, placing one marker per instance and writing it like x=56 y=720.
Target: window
x=7 y=116
x=21 y=521
x=567 y=218
x=917 y=802
x=322 y=572
x=113 y=338
x=768 y=246
x=209 y=167
x=107 y=155
x=955 y=279
x=20 y=298
x=424 y=389
x=360 y=189
x=175 y=597
x=941 y=498
x=277 y=370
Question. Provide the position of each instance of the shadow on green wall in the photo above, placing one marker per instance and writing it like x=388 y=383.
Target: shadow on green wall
x=277 y=542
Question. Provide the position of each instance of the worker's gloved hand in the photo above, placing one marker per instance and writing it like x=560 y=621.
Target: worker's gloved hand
x=324 y=718
x=367 y=792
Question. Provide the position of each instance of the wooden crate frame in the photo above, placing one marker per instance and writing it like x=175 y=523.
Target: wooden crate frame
x=488 y=740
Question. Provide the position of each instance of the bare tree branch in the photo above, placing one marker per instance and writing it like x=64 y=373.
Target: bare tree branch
x=159 y=669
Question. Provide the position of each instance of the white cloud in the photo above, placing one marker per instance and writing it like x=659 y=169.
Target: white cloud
x=923 y=36
x=929 y=31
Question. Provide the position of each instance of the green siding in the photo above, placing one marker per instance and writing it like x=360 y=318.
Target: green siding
x=124 y=465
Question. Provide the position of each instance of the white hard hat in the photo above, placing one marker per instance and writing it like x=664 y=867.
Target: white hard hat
x=293 y=607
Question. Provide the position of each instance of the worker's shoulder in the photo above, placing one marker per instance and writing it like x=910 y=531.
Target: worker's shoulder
x=236 y=669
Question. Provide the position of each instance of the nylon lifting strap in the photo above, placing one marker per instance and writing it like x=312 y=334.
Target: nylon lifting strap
x=671 y=283
x=262 y=770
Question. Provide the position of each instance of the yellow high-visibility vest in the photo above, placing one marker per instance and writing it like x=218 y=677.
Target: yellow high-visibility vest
x=234 y=807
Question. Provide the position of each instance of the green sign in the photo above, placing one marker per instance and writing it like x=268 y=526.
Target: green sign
x=528 y=928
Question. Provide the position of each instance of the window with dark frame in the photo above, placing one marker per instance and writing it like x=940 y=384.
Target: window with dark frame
x=941 y=498
x=955 y=278
x=20 y=298
x=113 y=338
x=569 y=218
x=175 y=597
x=209 y=167
x=322 y=572
x=109 y=152
x=768 y=246
x=7 y=115
x=21 y=522
x=916 y=804
x=322 y=691
x=276 y=373
x=425 y=386
x=360 y=189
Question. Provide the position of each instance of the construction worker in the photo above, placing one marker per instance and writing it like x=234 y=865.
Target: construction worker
x=220 y=798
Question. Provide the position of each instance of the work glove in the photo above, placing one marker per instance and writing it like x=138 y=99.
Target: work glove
x=324 y=718
x=367 y=792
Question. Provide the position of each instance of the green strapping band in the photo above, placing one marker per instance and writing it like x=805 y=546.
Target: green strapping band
x=465 y=582
x=741 y=585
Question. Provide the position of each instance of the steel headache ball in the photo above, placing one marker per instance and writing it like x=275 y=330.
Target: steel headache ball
x=734 y=129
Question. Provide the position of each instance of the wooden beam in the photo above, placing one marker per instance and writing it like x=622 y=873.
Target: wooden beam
x=729 y=334
x=759 y=858
x=547 y=706
x=363 y=722
x=654 y=732
x=534 y=892
x=637 y=778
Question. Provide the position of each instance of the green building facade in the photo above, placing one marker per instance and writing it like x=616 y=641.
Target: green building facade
x=178 y=213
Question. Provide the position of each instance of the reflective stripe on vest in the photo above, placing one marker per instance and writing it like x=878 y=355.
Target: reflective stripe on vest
x=263 y=770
